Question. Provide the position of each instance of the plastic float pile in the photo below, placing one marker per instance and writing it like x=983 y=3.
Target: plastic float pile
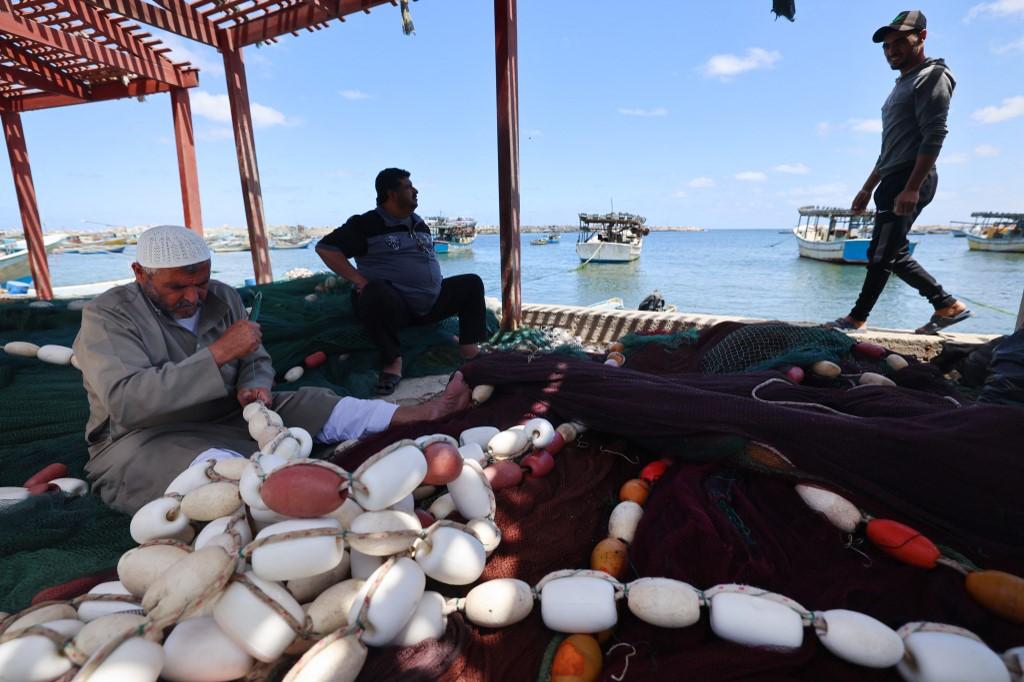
x=297 y=557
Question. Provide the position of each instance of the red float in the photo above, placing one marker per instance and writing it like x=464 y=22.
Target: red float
x=444 y=463
x=795 y=374
x=47 y=474
x=314 y=360
x=866 y=349
x=903 y=543
x=556 y=444
x=304 y=491
x=40 y=488
x=539 y=463
x=426 y=518
x=653 y=471
x=504 y=475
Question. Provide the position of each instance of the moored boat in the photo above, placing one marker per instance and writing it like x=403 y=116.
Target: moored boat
x=611 y=237
x=451 y=234
x=999 y=232
x=835 y=235
x=14 y=255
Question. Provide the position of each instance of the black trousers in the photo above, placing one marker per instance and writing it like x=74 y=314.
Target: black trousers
x=889 y=251
x=384 y=312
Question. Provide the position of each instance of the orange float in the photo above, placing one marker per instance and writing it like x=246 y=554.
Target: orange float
x=903 y=543
x=304 y=491
x=47 y=474
x=444 y=463
x=999 y=592
x=578 y=659
x=610 y=555
x=616 y=347
x=314 y=360
x=636 y=490
x=504 y=474
x=653 y=471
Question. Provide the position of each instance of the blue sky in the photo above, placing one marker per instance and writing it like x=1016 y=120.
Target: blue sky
x=710 y=114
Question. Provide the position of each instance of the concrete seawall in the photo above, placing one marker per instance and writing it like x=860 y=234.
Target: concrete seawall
x=598 y=327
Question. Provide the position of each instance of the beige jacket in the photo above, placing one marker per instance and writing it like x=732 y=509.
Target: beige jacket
x=141 y=368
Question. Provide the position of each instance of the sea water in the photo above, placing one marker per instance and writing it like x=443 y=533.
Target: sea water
x=746 y=273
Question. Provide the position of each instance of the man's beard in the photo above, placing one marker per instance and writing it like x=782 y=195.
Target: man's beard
x=154 y=298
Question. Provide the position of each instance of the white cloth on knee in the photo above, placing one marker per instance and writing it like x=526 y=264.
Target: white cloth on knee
x=214 y=454
x=355 y=418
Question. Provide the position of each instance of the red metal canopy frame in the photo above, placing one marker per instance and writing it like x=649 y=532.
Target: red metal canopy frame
x=61 y=52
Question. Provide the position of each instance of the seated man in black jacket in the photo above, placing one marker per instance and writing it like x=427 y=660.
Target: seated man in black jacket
x=396 y=278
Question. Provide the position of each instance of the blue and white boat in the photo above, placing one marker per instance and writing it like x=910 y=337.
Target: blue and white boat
x=999 y=232
x=451 y=235
x=835 y=235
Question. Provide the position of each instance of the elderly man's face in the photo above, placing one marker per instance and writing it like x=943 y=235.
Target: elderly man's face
x=177 y=291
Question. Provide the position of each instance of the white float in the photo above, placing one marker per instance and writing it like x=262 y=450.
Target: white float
x=624 y=519
x=428 y=621
x=211 y=501
x=339 y=661
x=755 y=621
x=442 y=507
x=253 y=624
x=487 y=532
x=383 y=533
x=329 y=611
x=389 y=476
x=498 y=603
x=509 y=444
x=189 y=479
x=197 y=650
x=392 y=603
x=827 y=369
x=21 y=348
x=175 y=592
x=860 y=639
x=480 y=435
x=664 y=602
x=137 y=660
x=470 y=492
x=138 y=568
x=840 y=512
x=297 y=557
x=949 y=657
x=156 y=520
x=540 y=431
x=34 y=658
x=91 y=610
x=260 y=466
x=100 y=631
x=450 y=555
x=896 y=362
x=363 y=565
x=873 y=379
x=475 y=452
x=54 y=354
x=306 y=589
x=294 y=374
x=75 y=487
x=578 y=604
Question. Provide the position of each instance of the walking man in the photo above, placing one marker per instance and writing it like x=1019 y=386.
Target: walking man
x=904 y=177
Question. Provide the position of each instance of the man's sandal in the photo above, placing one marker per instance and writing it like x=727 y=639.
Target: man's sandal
x=843 y=324
x=386 y=383
x=939 y=322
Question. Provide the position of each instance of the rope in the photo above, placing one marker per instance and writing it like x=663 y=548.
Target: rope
x=1004 y=311
x=621 y=676
x=793 y=403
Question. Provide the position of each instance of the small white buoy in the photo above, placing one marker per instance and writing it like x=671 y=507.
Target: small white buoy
x=197 y=650
x=174 y=593
x=755 y=621
x=36 y=658
x=307 y=589
x=255 y=625
x=509 y=443
x=624 y=519
x=91 y=610
x=451 y=556
x=100 y=631
x=498 y=603
x=896 y=362
x=378 y=484
x=294 y=374
x=297 y=557
x=310 y=298
x=481 y=394
x=487 y=532
x=156 y=520
x=873 y=379
x=21 y=348
x=362 y=565
x=949 y=657
x=54 y=354
x=541 y=432
x=137 y=660
x=329 y=611
x=138 y=568
x=470 y=492
x=211 y=501
x=441 y=508
x=373 y=532
x=428 y=621
x=840 y=512
x=475 y=452
x=824 y=368
x=480 y=435
x=860 y=639
x=578 y=604
x=664 y=602
x=339 y=661
x=393 y=602
x=75 y=487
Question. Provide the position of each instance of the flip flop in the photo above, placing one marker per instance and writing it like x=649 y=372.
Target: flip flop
x=942 y=321
x=844 y=325
x=386 y=383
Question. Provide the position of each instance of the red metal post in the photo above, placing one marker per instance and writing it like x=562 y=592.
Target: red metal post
x=26 y=192
x=245 y=145
x=506 y=62
x=185 y=142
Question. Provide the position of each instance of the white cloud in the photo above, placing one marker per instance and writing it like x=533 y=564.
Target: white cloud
x=792 y=168
x=679 y=194
x=823 y=128
x=986 y=150
x=657 y=111
x=1011 y=107
x=355 y=94
x=1009 y=48
x=751 y=176
x=701 y=182
x=999 y=8
x=729 y=65
x=865 y=125
x=217 y=108
x=949 y=159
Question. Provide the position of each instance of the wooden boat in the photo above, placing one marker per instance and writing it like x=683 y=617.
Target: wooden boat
x=229 y=245
x=835 y=235
x=540 y=242
x=285 y=243
x=611 y=237
x=86 y=249
x=14 y=255
x=999 y=232
x=451 y=234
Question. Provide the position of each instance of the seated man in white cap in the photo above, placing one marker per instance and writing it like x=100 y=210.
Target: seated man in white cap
x=169 y=361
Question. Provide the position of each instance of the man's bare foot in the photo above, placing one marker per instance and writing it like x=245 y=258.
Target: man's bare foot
x=454 y=398
x=951 y=310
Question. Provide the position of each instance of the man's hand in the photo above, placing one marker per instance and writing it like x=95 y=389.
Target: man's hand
x=906 y=202
x=251 y=395
x=860 y=202
x=240 y=339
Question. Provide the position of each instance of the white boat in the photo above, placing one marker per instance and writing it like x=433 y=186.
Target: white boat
x=451 y=235
x=999 y=232
x=14 y=255
x=610 y=237
x=835 y=235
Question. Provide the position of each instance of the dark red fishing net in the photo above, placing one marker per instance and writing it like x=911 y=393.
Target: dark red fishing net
x=952 y=472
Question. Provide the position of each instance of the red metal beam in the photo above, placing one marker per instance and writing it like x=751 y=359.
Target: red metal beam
x=135 y=88
x=248 y=170
x=26 y=191
x=296 y=18
x=506 y=63
x=190 y=26
x=185 y=142
x=32 y=30
x=115 y=30
x=39 y=74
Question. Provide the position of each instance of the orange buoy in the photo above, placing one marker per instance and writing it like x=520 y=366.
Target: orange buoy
x=504 y=474
x=903 y=543
x=47 y=474
x=653 y=471
x=578 y=659
x=304 y=491
x=444 y=463
x=999 y=592
x=636 y=489
x=610 y=556
x=314 y=360
x=616 y=347
x=540 y=463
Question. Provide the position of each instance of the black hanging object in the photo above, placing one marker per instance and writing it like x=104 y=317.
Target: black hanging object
x=784 y=8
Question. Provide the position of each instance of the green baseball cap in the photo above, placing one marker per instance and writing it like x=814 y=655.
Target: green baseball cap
x=905 y=22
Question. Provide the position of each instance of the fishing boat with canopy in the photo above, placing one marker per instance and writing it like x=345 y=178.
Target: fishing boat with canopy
x=451 y=234
x=611 y=237
x=999 y=232
x=835 y=235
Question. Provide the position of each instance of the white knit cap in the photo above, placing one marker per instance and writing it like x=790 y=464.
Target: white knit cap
x=171 y=246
